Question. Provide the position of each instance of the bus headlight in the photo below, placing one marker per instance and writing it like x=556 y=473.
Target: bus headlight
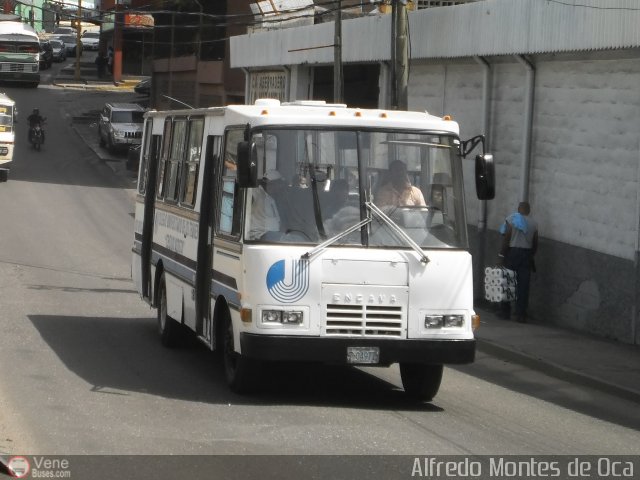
x=443 y=321
x=292 y=317
x=433 y=321
x=453 y=321
x=283 y=317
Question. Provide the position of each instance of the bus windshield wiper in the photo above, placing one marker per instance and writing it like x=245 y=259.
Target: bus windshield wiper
x=326 y=243
x=397 y=230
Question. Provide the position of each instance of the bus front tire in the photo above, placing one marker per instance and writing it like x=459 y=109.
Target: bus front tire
x=421 y=382
x=241 y=372
x=167 y=326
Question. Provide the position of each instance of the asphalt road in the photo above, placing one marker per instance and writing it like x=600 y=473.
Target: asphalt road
x=82 y=370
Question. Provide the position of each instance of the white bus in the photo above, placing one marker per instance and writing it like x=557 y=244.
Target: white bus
x=332 y=274
x=19 y=53
x=7 y=134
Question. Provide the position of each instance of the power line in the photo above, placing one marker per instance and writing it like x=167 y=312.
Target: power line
x=593 y=7
x=228 y=23
x=228 y=19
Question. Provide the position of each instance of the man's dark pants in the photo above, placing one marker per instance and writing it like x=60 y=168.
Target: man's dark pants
x=519 y=260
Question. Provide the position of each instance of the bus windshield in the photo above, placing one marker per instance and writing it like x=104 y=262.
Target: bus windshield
x=316 y=184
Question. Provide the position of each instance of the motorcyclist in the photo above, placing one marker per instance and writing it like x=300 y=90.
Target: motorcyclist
x=35 y=119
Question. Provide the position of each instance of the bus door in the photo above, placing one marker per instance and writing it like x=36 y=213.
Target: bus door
x=151 y=154
x=205 y=241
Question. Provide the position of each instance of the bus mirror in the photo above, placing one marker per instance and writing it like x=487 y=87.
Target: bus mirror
x=485 y=177
x=247 y=165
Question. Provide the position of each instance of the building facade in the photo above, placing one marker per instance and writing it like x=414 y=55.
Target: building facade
x=190 y=55
x=32 y=12
x=556 y=89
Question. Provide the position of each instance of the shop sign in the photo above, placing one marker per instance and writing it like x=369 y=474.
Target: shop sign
x=268 y=85
x=138 y=20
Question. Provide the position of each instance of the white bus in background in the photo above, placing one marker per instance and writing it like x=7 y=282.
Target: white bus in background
x=19 y=53
x=7 y=134
x=340 y=278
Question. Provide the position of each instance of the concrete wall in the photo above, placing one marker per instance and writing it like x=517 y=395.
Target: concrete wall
x=584 y=184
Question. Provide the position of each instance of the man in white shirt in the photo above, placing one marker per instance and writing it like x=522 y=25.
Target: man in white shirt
x=265 y=218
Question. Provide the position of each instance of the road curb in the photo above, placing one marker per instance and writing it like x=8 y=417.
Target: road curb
x=91 y=83
x=556 y=370
x=89 y=86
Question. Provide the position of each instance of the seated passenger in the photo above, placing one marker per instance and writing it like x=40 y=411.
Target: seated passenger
x=437 y=196
x=343 y=219
x=299 y=181
x=436 y=204
x=300 y=214
x=265 y=218
x=337 y=197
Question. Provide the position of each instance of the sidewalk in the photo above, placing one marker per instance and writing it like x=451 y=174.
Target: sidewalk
x=88 y=78
x=608 y=366
x=605 y=365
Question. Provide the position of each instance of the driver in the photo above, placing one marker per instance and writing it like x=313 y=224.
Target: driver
x=35 y=119
x=396 y=189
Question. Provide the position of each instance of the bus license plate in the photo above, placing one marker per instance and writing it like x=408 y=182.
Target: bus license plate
x=363 y=355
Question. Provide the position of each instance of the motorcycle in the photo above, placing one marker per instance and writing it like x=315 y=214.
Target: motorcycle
x=36 y=136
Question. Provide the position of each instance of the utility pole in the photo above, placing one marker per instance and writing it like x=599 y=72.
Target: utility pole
x=118 y=25
x=78 y=41
x=399 y=55
x=337 y=55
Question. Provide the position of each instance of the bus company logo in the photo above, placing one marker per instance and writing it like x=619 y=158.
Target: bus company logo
x=288 y=285
x=19 y=466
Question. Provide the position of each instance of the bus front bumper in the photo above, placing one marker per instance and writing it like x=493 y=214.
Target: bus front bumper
x=335 y=350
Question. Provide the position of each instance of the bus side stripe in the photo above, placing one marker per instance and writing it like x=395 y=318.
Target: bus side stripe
x=175 y=268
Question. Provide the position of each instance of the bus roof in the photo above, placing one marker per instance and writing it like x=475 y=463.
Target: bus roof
x=319 y=113
x=17 y=28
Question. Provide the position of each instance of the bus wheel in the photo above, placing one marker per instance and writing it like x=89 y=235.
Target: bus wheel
x=241 y=372
x=167 y=326
x=421 y=382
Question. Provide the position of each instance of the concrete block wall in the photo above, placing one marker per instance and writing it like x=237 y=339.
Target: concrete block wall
x=584 y=176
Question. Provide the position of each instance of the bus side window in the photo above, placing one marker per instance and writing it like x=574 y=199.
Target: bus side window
x=229 y=219
x=162 y=164
x=176 y=159
x=144 y=158
x=189 y=179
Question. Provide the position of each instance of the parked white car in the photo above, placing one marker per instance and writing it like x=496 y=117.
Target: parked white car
x=64 y=31
x=90 y=40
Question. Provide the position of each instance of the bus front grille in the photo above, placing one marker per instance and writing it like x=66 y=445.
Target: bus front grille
x=364 y=321
x=11 y=67
x=18 y=67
